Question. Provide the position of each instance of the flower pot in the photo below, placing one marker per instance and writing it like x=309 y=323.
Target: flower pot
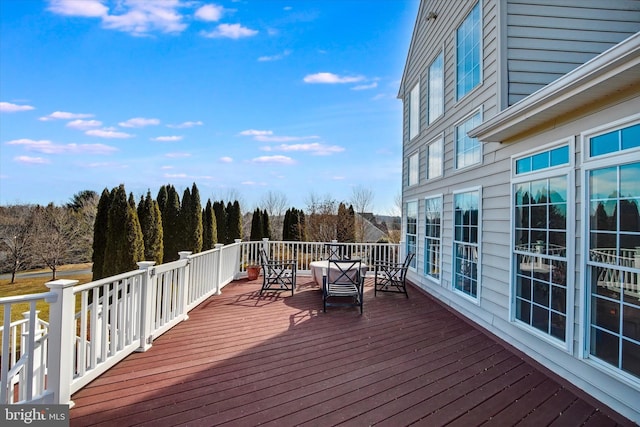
x=253 y=271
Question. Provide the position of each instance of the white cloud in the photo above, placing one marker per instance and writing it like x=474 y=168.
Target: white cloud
x=314 y=148
x=84 y=124
x=85 y=8
x=143 y=17
x=185 y=125
x=330 y=78
x=65 y=115
x=231 y=31
x=167 y=138
x=209 y=12
x=226 y=159
x=268 y=136
x=108 y=133
x=31 y=160
x=274 y=57
x=365 y=87
x=48 y=147
x=7 y=107
x=175 y=175
x=281 y=160
x=105 y=165
x=138 y=122
x=177 y=155
x=254 y=132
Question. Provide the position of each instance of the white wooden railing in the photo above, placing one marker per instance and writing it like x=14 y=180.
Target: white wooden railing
x=95 y=325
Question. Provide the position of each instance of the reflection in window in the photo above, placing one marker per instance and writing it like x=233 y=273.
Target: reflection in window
x=414 y=111
x=435 y=158
x=614 y=262
x=413 y=169
x=540 y=256
x=465 y=242
x=618 y=140
x=468 y=150
x=436 y=89
x=432 y=236
x=468 y=52
x=411 y=232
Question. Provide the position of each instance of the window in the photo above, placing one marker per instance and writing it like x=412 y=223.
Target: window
x=413 y=169
x=432 y=236
x=468 y=150
x=435 y=158
x=468 y=52
x=540 y=243
x=414 y=111
x=412 y=229
x=613 y=262
x=465 y=242
x=436 y=89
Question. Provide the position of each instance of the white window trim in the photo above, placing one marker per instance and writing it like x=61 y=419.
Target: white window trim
x=480 y=110
x=417 y=154
x=440 y=137
x=414 y=116
x=428 y=109
x=405 y=220
x=478 y=298
x=431 y=278
x=455 y=68
x=554 y=171
x=589 y=164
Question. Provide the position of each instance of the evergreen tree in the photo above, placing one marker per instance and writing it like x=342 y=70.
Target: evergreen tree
x=266 y=227
x=286 y=235
x=194 y=214
x=134 y=242
x=221 y=221
x=350 y=235
x=171 y=226
x=234 y=222
x=100 y=234
x=342 y=223
x=256 y=225
x=152 y=232
x=132 y=201
x=209 y=227
x=125 y=244
x=162 y=198
x=293 y=226
x=302 y=226
x=185 y=221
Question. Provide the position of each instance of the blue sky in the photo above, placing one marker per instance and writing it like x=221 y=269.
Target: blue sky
x=241 y=97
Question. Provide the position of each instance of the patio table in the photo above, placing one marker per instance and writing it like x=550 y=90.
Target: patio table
x=319 y=270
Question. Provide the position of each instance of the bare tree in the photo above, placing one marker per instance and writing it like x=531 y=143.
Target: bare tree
x=321 y=218
x=84 y=206
x=361 y=199
x=16 y=234
x=275 y=203
x=57 y=238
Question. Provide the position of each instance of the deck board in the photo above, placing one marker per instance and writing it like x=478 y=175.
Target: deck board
x=242 y=359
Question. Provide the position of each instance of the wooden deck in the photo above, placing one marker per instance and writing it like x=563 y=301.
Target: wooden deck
x=246 y=360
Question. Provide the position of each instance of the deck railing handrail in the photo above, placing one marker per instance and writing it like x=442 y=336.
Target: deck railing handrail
x=124 y=313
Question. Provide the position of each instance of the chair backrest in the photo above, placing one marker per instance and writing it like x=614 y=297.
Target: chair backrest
x=406 y=264
x=335 y=250
x=344 y=272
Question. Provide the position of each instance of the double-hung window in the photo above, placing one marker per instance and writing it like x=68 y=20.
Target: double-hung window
x=411 y=232
x=466 y=243
x=540 y=227
x=435 y=106
x=613 y=243
x=414 y=111
x=433 y=237
x=468 y=150
x=469 y=52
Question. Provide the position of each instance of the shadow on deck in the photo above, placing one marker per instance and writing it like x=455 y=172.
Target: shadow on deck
x=243 y=359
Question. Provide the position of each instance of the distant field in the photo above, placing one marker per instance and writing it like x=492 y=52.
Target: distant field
x=36 y=285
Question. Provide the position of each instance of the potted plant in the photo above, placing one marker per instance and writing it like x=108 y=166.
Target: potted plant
x=253 y=271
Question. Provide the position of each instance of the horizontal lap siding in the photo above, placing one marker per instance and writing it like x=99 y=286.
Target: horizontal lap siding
x=546 y=40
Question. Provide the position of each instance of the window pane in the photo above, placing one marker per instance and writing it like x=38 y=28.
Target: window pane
x=630 y=180
x=466 y=227
x=414 y=111
x=434 y=157
x=414 y=169
x=603 y=144
x=468 y=149
x=468 y=52
x=560 y=156
x=631 y=137
x=436 y=89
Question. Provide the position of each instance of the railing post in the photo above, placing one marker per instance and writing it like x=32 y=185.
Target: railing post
x=219 y=271
x=61 y=340
x=236 y=275
x=146 y=309
x=185 y=289
x=265 y=246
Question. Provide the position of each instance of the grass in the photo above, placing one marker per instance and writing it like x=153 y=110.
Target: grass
x=36 y=285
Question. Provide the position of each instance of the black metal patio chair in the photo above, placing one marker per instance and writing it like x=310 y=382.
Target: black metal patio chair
x=391 y=277
x=343 y=285
x=277 y=275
